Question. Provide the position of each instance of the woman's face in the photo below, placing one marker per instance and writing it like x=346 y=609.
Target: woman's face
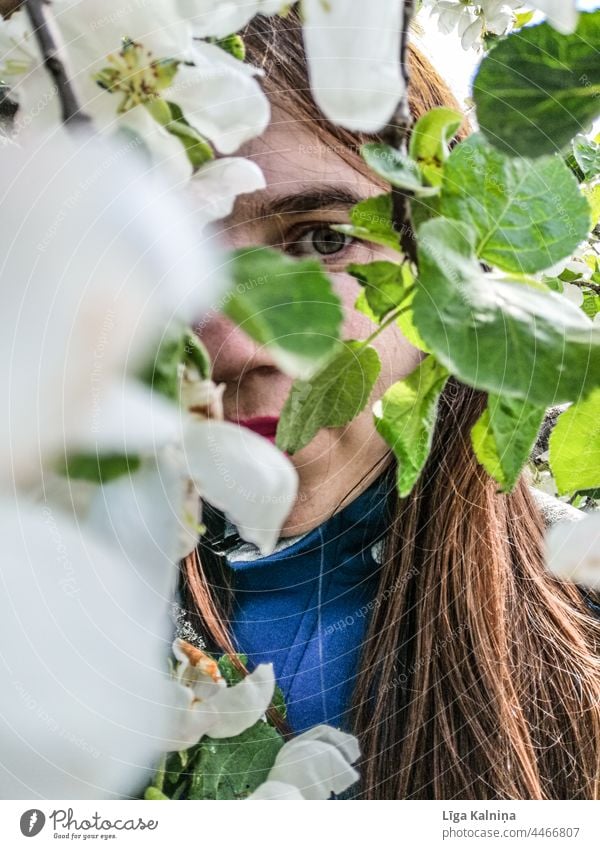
x=309 y=188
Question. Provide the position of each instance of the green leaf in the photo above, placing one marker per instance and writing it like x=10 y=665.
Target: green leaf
x=504 y=435
x=591 y=304
x=288 y=305
x=528 y=214
x=278 y=703
x=180 y=346
x=587 y=155
x=98 y=468
x=395 y=167
x=385 y=284
x=229 y=671
x=406 y=323
x=522 y=19
x=405 y=417
x=429 y=141
x=332 y=398
x=233 y=767
x=592 y=193
x=575 y=446
x=504 y=336
x=196 y=354
x=153 y=794
x=537 y=88
x=372 y=221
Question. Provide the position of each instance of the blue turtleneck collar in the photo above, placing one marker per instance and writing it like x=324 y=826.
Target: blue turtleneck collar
x=305 y=607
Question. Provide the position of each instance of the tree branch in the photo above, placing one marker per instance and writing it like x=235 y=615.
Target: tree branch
x=396 y=134
x=71 y=112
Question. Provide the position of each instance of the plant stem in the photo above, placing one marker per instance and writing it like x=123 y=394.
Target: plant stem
x=396 y=135
x=71 y=112
x=397 y=311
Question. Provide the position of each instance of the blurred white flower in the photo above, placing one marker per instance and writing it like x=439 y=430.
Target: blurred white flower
x=312 y=766
x=573 y=551
x=471 y=35
x=96 y=261
x=87 y=703
x=207 y=706
x=561 y=14
x=573 y=294
x=233 y=468
x=224 y=17
x=353 y=60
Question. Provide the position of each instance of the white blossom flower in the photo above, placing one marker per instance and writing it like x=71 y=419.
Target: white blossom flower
x=499 y=15
x=573 y=550
x=224 y=17
x=127 y=60
x=353 y=60
x=312 y=766
x=473 y=20
x=207 y=706
x=454 y=15
x=87 y=703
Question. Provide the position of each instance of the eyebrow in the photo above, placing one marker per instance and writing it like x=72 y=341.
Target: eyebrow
x=316 y=197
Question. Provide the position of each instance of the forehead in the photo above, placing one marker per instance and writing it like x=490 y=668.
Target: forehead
x=296 y=159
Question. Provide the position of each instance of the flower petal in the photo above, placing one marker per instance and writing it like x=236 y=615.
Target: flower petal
x=220 y=98
x=215 y=186
x=561 y=14
x=277 y=790
x=315 y=767
x=129 y=419
x=223 y=17
x=107 y=257
x=353 y=61
x=346 y=743
x=230 y=711
x=242 y=474
x=573 y=550
x=87 y=702
x=142 y=514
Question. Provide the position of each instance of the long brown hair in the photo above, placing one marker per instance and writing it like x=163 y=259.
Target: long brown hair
x=479 y=676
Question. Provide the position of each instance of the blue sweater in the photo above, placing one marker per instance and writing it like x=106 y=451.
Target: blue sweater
x=305 y=607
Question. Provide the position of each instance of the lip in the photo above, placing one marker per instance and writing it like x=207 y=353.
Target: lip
x=262 y=425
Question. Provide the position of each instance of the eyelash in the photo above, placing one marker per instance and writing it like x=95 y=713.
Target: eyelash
x=301 y=233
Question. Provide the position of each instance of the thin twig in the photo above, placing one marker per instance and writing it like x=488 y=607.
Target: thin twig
x=71 y=112
x=396 y=135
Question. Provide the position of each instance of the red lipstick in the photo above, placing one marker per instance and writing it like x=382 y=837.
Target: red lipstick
x=262 y=425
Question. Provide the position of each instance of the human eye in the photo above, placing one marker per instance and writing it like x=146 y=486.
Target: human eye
x=321 y=241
